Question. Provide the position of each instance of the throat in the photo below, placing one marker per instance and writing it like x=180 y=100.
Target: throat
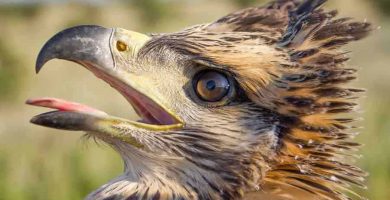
x=163 y=180
x=121 y=188
x=148 y=176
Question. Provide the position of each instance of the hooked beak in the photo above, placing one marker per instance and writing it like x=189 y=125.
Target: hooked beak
x=88 y=44
x=95 y=47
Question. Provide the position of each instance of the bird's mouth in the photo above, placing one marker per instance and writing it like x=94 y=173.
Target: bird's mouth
x=92 y=47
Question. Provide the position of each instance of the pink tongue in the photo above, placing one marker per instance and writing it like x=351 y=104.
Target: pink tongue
x=63 y=105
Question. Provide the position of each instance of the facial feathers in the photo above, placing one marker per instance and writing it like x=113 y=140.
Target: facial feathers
x=287 y=57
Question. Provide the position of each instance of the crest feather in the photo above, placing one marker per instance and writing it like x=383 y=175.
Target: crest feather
x=316 y=145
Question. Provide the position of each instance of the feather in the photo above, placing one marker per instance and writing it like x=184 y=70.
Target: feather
x=287 y=57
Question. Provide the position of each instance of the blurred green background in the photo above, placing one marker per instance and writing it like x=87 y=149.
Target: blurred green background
x=39 y=163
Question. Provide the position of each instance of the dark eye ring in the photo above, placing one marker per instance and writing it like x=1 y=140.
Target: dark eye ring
x=211 y=86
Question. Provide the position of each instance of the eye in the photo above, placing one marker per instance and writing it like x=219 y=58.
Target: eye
x=121 y=46
x=211 y=86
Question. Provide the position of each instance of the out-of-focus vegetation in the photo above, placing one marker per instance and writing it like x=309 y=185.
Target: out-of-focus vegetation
x=20 y=10
x=243 y=3
x=39 y=163
x=9 y=73
x=384 y=5
x=153 y=11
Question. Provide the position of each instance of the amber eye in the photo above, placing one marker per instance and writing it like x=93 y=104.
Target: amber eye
x=212 y=86
x=121 y=46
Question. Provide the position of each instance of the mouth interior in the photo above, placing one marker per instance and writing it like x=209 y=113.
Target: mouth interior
x=149 y=111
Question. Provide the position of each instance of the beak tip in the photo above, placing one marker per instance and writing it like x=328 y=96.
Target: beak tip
x=35 y=120
x=39 y=63
x=37 y=70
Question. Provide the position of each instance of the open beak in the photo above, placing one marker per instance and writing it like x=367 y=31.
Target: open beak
x=95 y=47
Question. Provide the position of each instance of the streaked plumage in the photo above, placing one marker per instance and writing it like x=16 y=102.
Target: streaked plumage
x=285 y=130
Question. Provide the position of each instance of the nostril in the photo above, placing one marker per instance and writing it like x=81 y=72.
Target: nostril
x=121 y=46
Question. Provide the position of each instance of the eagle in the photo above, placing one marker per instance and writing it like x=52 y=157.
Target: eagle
x=255 y=105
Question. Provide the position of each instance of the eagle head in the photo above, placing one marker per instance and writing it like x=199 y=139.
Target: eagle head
x=253 y=104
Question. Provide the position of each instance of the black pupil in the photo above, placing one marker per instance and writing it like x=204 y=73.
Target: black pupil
x=211 y=85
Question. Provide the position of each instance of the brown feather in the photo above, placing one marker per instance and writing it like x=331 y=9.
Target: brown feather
x=286 y=56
